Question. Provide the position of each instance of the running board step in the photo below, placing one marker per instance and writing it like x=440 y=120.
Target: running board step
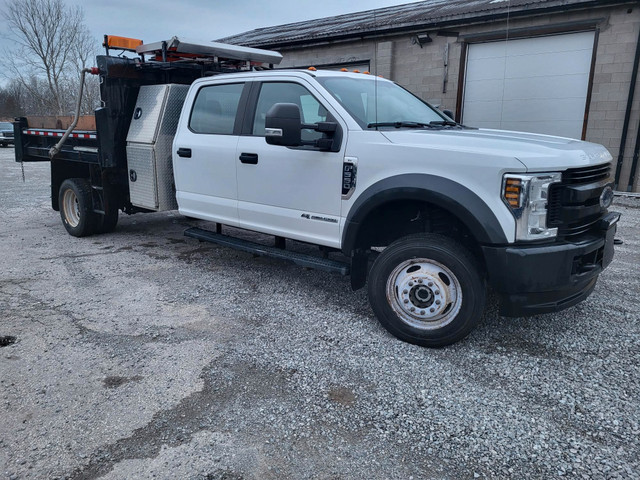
x=302 y=259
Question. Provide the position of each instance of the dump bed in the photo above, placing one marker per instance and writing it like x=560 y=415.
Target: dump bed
x=33 y=144
x=96 y=156
x=101 y=139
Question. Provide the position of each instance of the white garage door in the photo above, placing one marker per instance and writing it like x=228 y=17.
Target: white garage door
x=534 y=85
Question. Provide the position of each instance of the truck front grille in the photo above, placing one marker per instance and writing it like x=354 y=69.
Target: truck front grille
x=586 y=175
x=574 y=203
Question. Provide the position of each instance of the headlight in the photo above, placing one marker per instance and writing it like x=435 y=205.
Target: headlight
x=527 y=197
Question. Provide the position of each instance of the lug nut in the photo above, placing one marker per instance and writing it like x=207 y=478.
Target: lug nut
x=421 y=312
x=432 y=309
x=406 y=300
x=437 y=302
x=430 y=284
x=413 y=309
x=437 y=292
x=420 y=281
x=405 y=291
x=411 y=284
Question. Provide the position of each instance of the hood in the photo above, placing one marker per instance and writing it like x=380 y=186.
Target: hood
x=536 y=152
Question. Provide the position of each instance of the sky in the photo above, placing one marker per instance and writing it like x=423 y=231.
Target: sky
x=204 y=20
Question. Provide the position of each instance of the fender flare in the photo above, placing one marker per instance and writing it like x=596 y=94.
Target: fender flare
x=468 y=207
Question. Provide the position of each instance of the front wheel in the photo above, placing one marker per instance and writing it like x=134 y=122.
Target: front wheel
x=76 y=207
x=427 y=290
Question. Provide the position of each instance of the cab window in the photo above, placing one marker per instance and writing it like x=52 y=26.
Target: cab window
x=214 y=110
x=311 y=110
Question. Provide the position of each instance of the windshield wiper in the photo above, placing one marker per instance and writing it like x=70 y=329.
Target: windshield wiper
x=443 y=123
x=433 y=124
x=401 y=125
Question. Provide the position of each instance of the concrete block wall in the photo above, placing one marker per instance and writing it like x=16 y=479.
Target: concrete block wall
x=612 y=76
x=422 y=70
x=337 y=53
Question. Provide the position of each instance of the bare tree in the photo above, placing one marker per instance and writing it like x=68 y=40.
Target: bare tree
x=11 y=101
x=84 y=51
x=52 y=43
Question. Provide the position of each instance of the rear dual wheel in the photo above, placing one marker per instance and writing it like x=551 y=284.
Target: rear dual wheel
x=76 y=210
x=107 y=223
x=427 y=290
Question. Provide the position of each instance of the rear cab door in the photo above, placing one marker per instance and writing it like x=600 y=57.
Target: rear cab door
x=204 y=150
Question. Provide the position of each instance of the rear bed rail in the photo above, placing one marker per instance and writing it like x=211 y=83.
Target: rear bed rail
x=34 y=144
x=59 y=133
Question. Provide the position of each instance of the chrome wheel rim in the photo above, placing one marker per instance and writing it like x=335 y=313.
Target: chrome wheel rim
x=71 y=208
x=424 y=293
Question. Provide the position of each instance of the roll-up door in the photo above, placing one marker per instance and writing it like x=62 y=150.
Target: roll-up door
x=534 y=85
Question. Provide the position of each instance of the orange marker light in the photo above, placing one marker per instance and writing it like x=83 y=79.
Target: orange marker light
x=124 y=43
x=313 y=69
x=512 y=192
x=344 y=70
x=356 y=71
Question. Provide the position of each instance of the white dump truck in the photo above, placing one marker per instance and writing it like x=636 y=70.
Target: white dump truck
x=423 y=210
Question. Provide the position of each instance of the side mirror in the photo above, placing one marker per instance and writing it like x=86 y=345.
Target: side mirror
x=449 y=114
x=283 y=125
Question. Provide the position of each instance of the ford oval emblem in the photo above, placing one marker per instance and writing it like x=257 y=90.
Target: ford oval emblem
x=606 y=197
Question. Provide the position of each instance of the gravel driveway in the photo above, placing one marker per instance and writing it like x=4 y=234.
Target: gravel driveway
x=143 y=354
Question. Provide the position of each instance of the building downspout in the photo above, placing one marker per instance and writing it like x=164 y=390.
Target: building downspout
x=625 y=127
x=634 y=164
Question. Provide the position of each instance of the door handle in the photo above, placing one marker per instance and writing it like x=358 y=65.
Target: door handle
x=184 y=152
x=250 y=158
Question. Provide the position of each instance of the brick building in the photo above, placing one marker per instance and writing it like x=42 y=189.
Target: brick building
x=564 y=67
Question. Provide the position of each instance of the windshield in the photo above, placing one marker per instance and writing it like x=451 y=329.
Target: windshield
x=379 y=103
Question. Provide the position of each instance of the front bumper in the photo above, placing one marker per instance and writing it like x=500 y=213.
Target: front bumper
x=548 y=278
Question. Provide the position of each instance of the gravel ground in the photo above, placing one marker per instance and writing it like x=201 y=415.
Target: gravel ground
x=144 y=354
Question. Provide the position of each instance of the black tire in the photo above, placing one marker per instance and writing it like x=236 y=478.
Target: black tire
x=435 y=276
x=76 y=207
x=107 y=223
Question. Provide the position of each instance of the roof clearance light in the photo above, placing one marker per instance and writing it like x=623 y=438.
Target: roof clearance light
x=123 y=43
x=344 y=70
x=356 y=71
x=313 y=69
x=367 y=73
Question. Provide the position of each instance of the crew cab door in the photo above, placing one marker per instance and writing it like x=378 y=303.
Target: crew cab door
x=204 y=152
x=285 y=191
